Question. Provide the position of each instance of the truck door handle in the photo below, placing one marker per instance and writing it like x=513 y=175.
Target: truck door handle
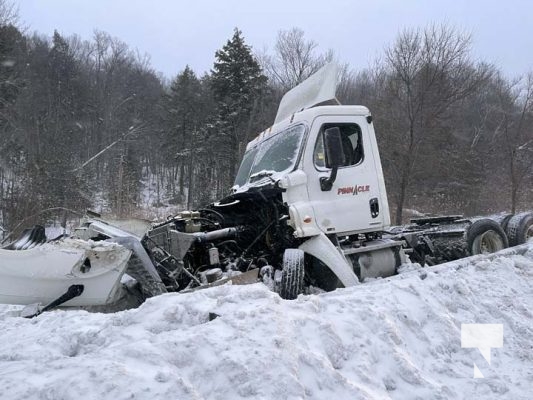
x=374 y=207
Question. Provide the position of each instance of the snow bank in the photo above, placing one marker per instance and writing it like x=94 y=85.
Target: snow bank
x=397 y=338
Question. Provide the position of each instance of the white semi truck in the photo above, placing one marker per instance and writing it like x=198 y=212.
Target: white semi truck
x=309 y=208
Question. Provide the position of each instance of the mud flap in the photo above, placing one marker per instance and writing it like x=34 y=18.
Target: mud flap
x=321 y=247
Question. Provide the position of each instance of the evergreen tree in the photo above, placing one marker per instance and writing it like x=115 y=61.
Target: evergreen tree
x=56 y=185
x=237 y=82
x=12 y=52
x=186 y=115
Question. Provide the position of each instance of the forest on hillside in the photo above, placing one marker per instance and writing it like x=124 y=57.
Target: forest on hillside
x=90 y=123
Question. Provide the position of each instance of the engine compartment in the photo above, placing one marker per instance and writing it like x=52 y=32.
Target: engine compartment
x=242 y=232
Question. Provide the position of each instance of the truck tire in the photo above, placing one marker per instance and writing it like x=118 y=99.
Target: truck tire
x=503 y=220
x=485 y=236
x=520 y=228
x=292 y=274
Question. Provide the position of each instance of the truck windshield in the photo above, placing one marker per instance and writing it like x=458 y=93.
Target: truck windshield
x=276 y=154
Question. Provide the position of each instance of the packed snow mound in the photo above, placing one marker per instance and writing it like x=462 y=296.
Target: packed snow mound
x=397 y=338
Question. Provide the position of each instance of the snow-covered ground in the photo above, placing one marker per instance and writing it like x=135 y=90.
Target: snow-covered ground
x=398 y=338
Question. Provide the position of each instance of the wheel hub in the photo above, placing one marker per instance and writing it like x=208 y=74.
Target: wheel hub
x=490 y=242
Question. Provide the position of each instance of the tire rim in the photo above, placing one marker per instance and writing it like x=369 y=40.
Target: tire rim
x=489 y=242
x=529 y=234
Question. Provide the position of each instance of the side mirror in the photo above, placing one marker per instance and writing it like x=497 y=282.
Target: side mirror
x=334 y=156
x=333 y=147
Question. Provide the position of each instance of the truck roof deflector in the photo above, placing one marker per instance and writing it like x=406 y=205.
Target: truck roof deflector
x=319 y=88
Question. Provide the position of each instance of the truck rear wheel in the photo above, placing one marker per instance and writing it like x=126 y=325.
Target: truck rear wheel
x=485 y=236
x=520 y=228
x=292 y=274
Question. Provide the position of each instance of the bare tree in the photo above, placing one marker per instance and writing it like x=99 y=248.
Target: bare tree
x=295 y=59
x=346 y=89
x=513 y=136
x=426 y=73
x=8 y=13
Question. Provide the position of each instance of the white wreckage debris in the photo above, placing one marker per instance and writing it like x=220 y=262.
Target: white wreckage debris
x=110 y=273
x=42 y=272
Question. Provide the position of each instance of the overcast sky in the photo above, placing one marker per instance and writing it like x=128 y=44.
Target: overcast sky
x=176 y=33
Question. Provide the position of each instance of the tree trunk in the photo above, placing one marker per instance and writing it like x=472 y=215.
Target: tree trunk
x=514 y=183
x=120 y=184
x=191 y=173
x=401 y=198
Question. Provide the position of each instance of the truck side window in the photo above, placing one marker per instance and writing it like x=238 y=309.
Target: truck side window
x=352 y=145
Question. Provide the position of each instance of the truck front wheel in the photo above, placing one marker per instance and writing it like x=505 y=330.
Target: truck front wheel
x=292 y=274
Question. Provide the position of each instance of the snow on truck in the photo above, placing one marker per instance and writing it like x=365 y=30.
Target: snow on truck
x=309 y=209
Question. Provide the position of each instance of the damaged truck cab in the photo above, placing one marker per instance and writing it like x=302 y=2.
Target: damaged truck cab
x=308 y=207
x=325 y=161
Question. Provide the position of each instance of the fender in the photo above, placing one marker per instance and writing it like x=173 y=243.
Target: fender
x=321 y=247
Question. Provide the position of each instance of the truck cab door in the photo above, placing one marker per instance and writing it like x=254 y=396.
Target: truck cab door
x=354 y=202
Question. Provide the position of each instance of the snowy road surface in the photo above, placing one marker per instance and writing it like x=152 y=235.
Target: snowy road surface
x=398 y=338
